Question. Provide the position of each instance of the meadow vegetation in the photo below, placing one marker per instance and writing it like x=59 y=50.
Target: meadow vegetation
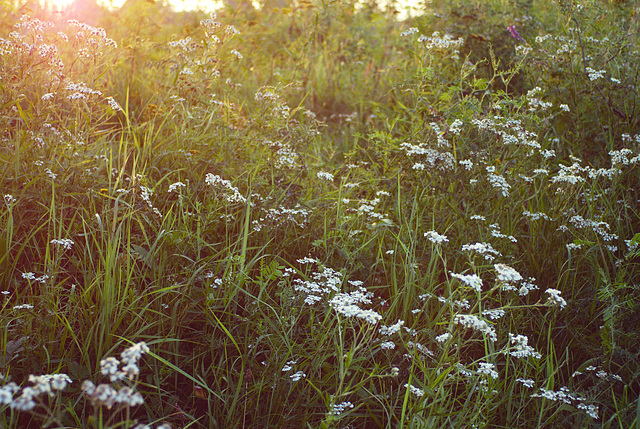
x=321 y=216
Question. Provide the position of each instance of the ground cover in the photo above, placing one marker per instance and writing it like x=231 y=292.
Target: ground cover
x=320 y=216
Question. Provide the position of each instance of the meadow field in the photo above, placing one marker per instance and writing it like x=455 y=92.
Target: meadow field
x=320 y=215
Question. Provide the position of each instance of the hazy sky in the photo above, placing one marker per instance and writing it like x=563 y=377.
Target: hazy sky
x=180 y=5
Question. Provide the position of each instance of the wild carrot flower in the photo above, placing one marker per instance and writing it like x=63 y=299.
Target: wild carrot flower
x=325 y=176
x=346 y=305
x=520 y=347
x=472 y=280
x=109 y=366
x=113 y=104
x=7 y=391
x=297 y=376
x=484 y=249
x=493 y=314
x=338 y=409
x=473 y=322
x=390 y=330
x=388 y=345
x=436 y=238
x=555 y=299
x=65 y=243
x=507 y=274
x=444 y=337
x=416 y=391
x=526 y=382
x=174 y=186
x=595 y=74
x=23 y=306
x=488 y=369
x=288 y=366
x=410 y=31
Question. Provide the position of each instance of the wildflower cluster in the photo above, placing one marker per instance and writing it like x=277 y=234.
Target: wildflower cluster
x=30 y=398
x=230 y=192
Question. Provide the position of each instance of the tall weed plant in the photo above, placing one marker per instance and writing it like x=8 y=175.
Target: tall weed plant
x=320 y=216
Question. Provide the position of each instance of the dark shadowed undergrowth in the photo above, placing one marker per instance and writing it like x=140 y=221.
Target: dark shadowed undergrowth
x=320 y=216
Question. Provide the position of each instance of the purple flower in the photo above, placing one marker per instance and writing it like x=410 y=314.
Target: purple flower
x=514 y=33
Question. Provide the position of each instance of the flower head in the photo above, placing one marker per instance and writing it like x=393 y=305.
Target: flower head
x=514 y=33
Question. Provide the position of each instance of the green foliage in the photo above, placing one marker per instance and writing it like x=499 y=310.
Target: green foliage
x=320 y=216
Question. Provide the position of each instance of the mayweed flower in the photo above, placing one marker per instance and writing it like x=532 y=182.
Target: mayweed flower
x=473 y=281
x=236 y=53
x=555 y=298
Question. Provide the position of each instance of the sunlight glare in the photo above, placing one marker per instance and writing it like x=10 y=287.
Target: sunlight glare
x=406 y=7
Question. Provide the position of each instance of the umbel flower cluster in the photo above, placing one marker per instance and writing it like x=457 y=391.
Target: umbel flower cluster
x=31 y=398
